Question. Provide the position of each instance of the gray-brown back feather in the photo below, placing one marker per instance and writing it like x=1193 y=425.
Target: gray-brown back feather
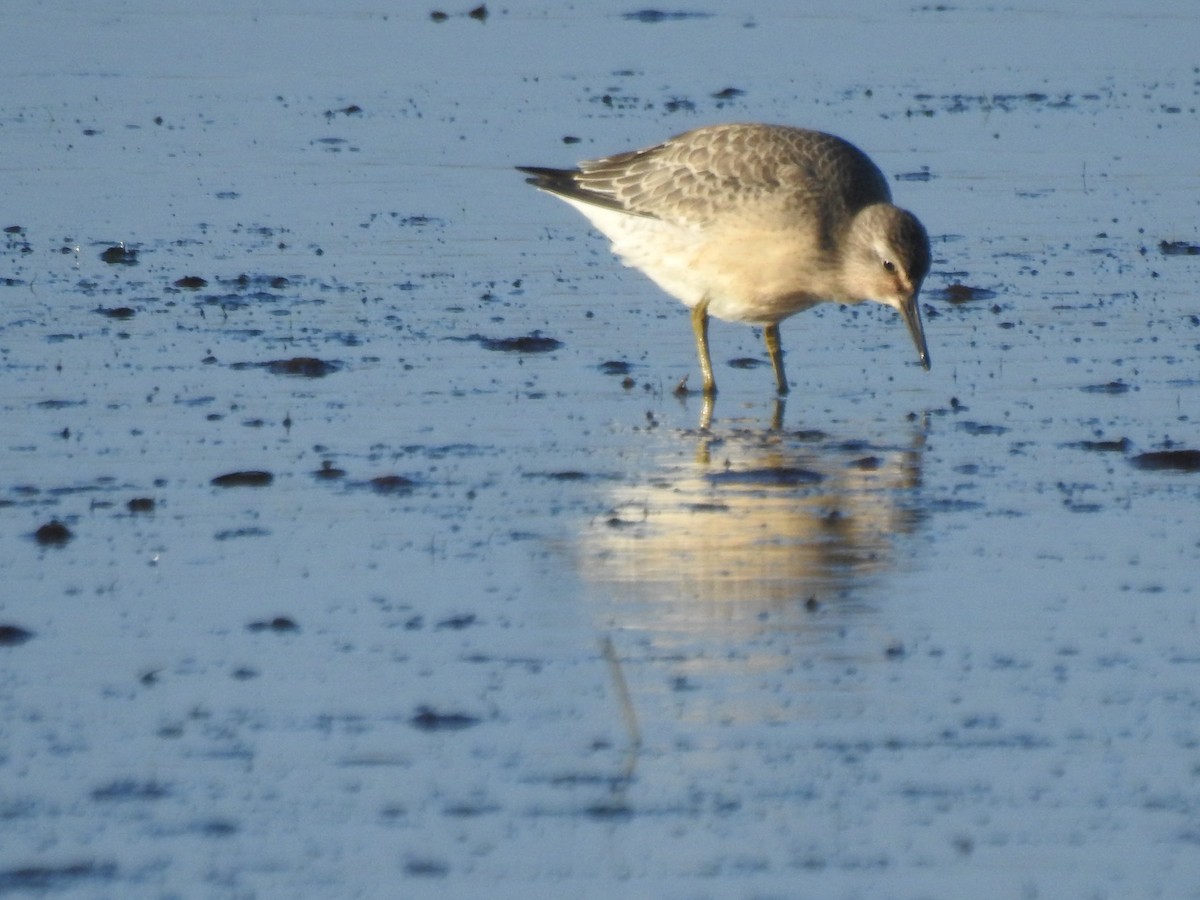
x=702 y=175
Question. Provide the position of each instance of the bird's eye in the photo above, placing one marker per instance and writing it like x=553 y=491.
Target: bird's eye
x=889 y=266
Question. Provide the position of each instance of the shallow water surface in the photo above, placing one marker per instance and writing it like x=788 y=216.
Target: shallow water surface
x=356 y=543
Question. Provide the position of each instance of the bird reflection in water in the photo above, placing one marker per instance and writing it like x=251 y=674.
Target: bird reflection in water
x=751 y=529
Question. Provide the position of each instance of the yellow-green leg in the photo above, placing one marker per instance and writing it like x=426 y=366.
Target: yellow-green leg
x=700 y=327
x=771 y=336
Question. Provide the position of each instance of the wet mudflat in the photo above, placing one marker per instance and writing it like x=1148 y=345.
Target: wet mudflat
x=354 y=541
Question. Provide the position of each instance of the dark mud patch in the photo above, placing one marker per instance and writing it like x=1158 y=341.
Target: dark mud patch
x=214 y=828
x=428 y=719
x=981 y=428
x=14 y=635
x=654 y=16
x=1168 y=461
x=230 y=534
x=570 y=475
x=246 y=478
x=245 y=282
x=129 y=789
x=958 y=293
x=42 y=879
x=615 y=367
x=534 y=342
x=1118 y=446
x=392 y=484
x=279 y=625
x=423 y=867
x=782 y=476
x=1111 y=387
x=746 y=362
x=297 y=366
x=53 y=534
x=931 y=104
x=329 y=472
x=190 y=283
x=119 y=255
x=613 y=811
x=304 y=366
x=470 y=810
x=478 y=13
x=1178 y=248
x=141 y=505
x=117 y=312
x=60 y=404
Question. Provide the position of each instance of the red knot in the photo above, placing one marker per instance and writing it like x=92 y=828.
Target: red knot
x=754 y=223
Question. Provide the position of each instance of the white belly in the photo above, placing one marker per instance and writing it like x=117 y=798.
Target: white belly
x=747 y=273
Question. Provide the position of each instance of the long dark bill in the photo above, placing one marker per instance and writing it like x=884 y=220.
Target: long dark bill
x=910 y=309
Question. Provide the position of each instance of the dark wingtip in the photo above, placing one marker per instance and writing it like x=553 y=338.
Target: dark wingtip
x=555 y=180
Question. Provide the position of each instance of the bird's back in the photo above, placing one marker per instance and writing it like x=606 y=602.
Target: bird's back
x=696 y=178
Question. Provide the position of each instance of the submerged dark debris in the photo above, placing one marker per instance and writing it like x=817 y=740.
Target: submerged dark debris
x=457 y=623
x=130 y=789
x=1178 y=248
x=428 y=719
x=774 y=476
x=392 y=484
x=746 y=362
x=304 y=366
x=654 y=16
x=478 y=13
x=1168 y=461
x=534 y=342
x=980 y=428
x=329 y=471
x=1111 y=387
x=246 y=478
x=1118 y=446
x=53 y=534
x=279 y=624
x=957 y=292
x=117 y=312
x=119 y=255
x=55 y=878
x=13 y=635
x=424 y=867
x=299 y=366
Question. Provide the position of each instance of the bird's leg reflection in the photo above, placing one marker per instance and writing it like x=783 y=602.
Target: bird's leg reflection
x=779 y=405
x=777 y=414
x=629 y=714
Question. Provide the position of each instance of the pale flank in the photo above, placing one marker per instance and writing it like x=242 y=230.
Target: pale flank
x=754 y=223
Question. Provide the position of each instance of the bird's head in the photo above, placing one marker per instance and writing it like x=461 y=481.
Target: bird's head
x=886 y=257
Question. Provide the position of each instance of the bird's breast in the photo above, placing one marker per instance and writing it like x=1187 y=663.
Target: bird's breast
x=748 y=270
